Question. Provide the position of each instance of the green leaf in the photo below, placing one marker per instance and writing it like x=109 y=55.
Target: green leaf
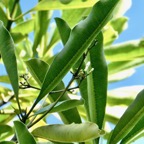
x=7 y=142
x=97 y=82
x=3 y=16
x=129 y=119
x=125 y=51
x=40 y=28
x=38 y=69
x=61 y=106
x=115 y=67
x=24 y=27
x=68 y=133
x=22 y=133
x=5 y=129
x=113 y=29
x=77 y=44
x=121 y=75
x=51 y=5
x=7 y=50
x=135 y=132
x=4 y=79
x=64 y=29
x=68 y=116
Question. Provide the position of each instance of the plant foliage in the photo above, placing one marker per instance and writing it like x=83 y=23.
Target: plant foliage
x=61 y=67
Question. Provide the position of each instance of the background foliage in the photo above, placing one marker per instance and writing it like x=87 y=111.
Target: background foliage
x=62 y=68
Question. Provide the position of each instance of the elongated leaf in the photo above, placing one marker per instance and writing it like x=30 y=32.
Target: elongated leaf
x=129 y=119
x=24 y=27
x=37 y=69
x=113 y=29
x=7 y=142
x=68 y=133
x=3 y=16
x=77 y=44
x=64 y=29
x=51 y=5
x=41 y=24
x=7 y=50
x=97 y=83
x=61 y=106
x=133 y=134
x=115 y=67
x=23 y=134
x=121 y=75
x=125 y=51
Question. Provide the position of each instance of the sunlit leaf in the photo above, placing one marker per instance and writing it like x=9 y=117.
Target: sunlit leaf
x=24 y=27
x=68 y=133
x=125 y=51
x=51 y=5
x=121 y=75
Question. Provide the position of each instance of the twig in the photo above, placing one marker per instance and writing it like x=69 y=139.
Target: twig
x=75 y=75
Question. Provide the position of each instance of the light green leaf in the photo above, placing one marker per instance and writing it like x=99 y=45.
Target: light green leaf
x=51 y=5
x=112 y=30
x=129 y=119
x=24 y=27
x=122 y=8
x=40 y=28
x=4 y=79
x=97 y=82
x=77 y=44
x=38 y=69
x=125 y=51
x=7 y=50
x=121 y=75
x=22 y=133
x=123 y=95
x=61 y=106
x=69 y=133
x=115 y=67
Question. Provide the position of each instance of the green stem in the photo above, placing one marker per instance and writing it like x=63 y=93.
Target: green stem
x=10 y=21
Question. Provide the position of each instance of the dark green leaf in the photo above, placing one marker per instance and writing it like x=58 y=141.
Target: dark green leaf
x=64 y=29
x=97 y=82
x=129 y=119
x=133 y=134
x=7 y=50
x=22 y=133
x=38 y=69
x=81 y=37
x=7 y=142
